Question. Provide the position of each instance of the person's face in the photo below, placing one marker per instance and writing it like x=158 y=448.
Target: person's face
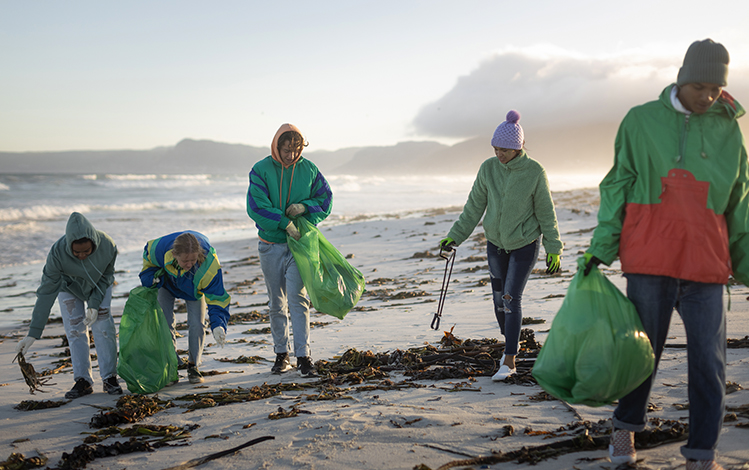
x=287 y=154
x=82 y=250
x=699 y=97
x=186 y=261
x=505 y=155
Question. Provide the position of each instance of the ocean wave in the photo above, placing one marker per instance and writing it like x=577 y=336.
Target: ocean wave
x=4 y=187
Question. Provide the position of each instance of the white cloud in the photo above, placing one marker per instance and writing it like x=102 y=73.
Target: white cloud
x=551 y=87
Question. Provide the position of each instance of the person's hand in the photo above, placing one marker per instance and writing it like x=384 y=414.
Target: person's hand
x=23 y=346
x=156 y=281
x=293 y=232
x=91 y=315
x=553 y=263
x=590 y=261
x=295 y=210
x=220 y=335
x=447 y=244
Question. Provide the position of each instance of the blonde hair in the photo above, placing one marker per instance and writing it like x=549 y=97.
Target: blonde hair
x=187 y=243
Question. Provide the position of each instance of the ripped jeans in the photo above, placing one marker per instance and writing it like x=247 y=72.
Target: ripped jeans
x=73 y=311
x=509 y=272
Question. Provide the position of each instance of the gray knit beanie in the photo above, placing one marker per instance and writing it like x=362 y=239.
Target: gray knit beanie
x=705 y=62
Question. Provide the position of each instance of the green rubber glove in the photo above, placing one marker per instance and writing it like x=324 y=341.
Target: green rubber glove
x=553 y=263
x=590 y=261
x=447 y=244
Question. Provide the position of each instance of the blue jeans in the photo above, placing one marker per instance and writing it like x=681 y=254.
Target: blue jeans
x=700 y=306
x=196 y=310
x=509 y=272
x=72 y=310
x=288 y=298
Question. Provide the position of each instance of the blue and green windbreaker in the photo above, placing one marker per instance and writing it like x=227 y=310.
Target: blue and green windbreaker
x=204 y=280
x=274 y=187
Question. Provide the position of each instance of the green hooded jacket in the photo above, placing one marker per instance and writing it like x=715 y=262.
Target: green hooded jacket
x=517 y=202
x=675 y=203
x=86 y=279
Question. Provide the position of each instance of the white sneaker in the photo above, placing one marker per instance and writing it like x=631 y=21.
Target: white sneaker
x=622 y=447
x=504 y=371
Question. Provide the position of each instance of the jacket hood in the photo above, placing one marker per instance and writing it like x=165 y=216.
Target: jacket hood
x=79 y=227
x=726 y=103
x=274 y=145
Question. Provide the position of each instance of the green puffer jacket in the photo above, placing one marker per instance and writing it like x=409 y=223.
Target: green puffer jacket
x=517 y=202
x=88 y=279
x=675 y=201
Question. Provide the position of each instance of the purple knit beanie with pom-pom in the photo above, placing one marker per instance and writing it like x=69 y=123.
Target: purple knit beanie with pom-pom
x=509 y=134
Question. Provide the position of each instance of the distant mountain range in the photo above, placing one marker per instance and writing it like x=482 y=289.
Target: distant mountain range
x=558 y=149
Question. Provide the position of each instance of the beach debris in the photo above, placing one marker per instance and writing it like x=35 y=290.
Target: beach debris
x=29 y=405
x=257 y=331
x=17 y=461
x=738 y=343
x=290 y=413
x=532 y=321
x=240 y=395
x=732 y=387
x=165 y=433
x=129 y=409
x=216 y=455
x=590 y=437
x=84 y=454
x=244 y=360
x=253 y=316
x=32 y=379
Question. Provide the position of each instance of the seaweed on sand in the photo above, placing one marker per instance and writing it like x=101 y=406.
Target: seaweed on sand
x=17 y=461
x=33 y=380
x=129 y=409
x=28 y=405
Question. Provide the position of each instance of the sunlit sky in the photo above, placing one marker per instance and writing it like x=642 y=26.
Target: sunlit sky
x=86 y=75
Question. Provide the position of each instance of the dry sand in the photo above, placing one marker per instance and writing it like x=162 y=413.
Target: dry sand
x=443 y=421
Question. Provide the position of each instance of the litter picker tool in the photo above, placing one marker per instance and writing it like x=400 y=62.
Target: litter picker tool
x=449 y=257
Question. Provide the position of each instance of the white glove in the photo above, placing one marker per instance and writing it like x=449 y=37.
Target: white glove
x=295 y=210
x=91 y=315
x=220 y=336
x=293 y=232
x=155 y=282
x=23 y=346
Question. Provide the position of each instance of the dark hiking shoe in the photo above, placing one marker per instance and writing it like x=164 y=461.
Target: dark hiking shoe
x=194 y=375
x=305 y=366
x=111 y=386
x=81 y=388
x=282 y=364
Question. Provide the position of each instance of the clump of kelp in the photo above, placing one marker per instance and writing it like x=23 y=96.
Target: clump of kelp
x=17 y=461
x=32 y=379
x=587 y=436
x=30 y=405
x=129 y=409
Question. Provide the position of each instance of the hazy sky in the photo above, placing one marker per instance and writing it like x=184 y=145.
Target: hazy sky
x=78 y=75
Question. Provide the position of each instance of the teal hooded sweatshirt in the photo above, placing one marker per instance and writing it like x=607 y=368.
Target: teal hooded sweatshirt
x=86 y=279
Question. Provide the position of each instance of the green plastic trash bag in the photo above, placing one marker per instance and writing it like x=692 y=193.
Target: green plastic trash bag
x=597 y=350
x=333 y=285
x=147 y=361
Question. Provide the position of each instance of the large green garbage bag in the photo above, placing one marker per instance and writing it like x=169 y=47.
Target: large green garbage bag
x=333 y=285
x=147 y=361
x=597 y=350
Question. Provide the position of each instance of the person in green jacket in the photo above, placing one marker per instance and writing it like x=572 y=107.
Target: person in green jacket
x=513 y=191
x=80 y=271
x=285 y=186
x=674 y=209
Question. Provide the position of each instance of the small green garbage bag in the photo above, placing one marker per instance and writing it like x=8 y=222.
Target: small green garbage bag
x=147 y=361
x=597 y=350
x=333 y=285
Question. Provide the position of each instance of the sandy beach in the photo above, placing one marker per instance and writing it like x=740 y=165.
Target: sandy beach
x=388 y=420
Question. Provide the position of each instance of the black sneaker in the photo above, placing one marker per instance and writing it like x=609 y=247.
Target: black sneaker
x=194 y=375
x=305 y=366
x=282 y=364
x=111 y=386
x=81 y=388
